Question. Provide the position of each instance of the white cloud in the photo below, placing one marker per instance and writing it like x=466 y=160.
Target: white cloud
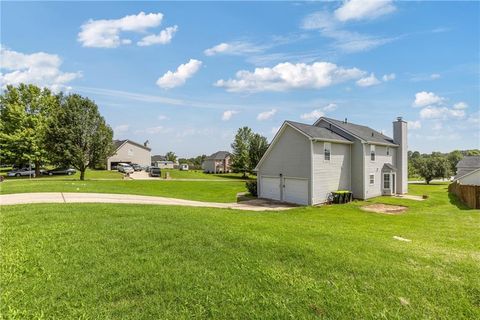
x=162 y=117
x=234 y=48
x=105 y=33
x=460 y=105
x=121 y=128
x=389 y=77
x=314 y=115
x=180 y=76
x=164 y=37
x=227 y=115
x=285 y=76
x=413 y=125
x=40 y=68
x=442 y=113
x=435 y=76
x=364 y=9
x=330 y=107
x=424 y=98
x=266 y=115
x=371 y=80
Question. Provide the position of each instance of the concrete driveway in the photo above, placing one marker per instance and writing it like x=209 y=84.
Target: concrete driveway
x=72 y=197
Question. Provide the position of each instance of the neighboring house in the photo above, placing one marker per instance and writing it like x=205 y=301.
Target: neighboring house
x=128 y=151
x=468 y=171
x=305 y=163
x=219 y=162
x=164 y=164
x=157 y=158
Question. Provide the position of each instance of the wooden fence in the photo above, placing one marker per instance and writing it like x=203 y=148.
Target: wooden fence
x=470 y=195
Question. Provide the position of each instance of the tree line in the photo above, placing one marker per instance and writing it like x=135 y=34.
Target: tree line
x=248 y=148
x=40 y=127
x=436 y=165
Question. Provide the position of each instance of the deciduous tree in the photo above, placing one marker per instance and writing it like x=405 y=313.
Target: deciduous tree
x=240 y=147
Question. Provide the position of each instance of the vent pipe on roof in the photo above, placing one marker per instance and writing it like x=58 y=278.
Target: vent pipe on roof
x=345 y=120
x=145 y=144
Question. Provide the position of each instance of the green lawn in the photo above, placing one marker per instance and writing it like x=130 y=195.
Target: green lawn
x=98 y=261
x=215 y=191
x=199 y=174
x=89 y=175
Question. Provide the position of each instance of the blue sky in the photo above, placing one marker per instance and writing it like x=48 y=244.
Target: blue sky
x=187 y=75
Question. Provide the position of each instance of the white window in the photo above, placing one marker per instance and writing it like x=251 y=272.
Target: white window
x=388 y=151
x=386 y=181
x=372 y=179
x=326 y=152
x=372 y=152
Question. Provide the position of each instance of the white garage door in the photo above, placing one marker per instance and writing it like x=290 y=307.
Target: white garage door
x=296 y=191
x=270 y=188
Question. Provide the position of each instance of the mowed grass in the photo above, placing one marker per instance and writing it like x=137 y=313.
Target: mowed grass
x=214 y=191
x=98 y=261
x=89 y=175
x=199 y=174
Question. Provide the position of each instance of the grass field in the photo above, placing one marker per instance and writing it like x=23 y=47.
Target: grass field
x=215 y=191
x=89 y=175
x=98 y=261
x=199 y=174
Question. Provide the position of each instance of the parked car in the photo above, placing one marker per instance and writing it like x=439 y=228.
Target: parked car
x=125 y=168
x=136 y=167
x=63 y=171
x=147 y=168
x=155 y=172
x=22 y=172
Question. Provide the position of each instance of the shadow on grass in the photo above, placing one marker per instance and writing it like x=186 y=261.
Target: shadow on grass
x=457 y=202
x=227 y=176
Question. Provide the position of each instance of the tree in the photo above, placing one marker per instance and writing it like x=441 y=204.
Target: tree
x=78 y=135
x=171 y=156
x=257 y=147
x=240 y=147
x=24 y=113
x=432 y=167
x=453 y=158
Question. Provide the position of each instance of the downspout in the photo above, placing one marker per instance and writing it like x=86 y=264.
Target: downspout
x=311 y=198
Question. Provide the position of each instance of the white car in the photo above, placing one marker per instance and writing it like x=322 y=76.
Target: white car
x=125 y=168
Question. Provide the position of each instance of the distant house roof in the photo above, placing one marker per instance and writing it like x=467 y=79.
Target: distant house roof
x=119 y=143
x=363 y=132
x=467 y=165
x=219 y=155
x=158 y=157
x=320 y=133
x=469 y=162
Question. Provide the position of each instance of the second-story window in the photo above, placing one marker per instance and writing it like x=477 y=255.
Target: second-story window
x=388 y=151
x=372 y=153
x=326 y=151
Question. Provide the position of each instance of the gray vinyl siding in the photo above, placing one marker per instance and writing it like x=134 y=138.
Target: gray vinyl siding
x=330 y=175
x=375 y=167
x=289 y=156
x=131 y=153
x=357 y=163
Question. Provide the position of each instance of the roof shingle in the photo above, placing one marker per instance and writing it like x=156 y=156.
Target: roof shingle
x=319 y=133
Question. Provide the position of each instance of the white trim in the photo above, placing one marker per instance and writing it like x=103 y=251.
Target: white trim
x=325 y=144
x=331 y=140
x=311 y=184
x=369 y=180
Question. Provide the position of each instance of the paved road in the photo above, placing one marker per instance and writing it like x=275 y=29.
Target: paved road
x=72 y=197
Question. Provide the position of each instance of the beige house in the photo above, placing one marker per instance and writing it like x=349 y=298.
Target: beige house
x=128 y=151
x=219 y=162
x=305 y=163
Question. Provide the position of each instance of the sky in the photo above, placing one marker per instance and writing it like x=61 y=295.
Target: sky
x=186 y=75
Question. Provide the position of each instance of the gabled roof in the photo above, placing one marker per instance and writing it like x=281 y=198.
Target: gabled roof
x=219 y=155
x=469 y=162
x=119 y=143
x=388 y=167
x=318 y=133
x=363 y=132
x=158 y=157
x=458 y=177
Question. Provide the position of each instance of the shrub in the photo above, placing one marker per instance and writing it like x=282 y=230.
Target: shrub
x=252 y=187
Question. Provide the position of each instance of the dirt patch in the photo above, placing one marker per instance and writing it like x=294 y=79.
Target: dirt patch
x=384 y=208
